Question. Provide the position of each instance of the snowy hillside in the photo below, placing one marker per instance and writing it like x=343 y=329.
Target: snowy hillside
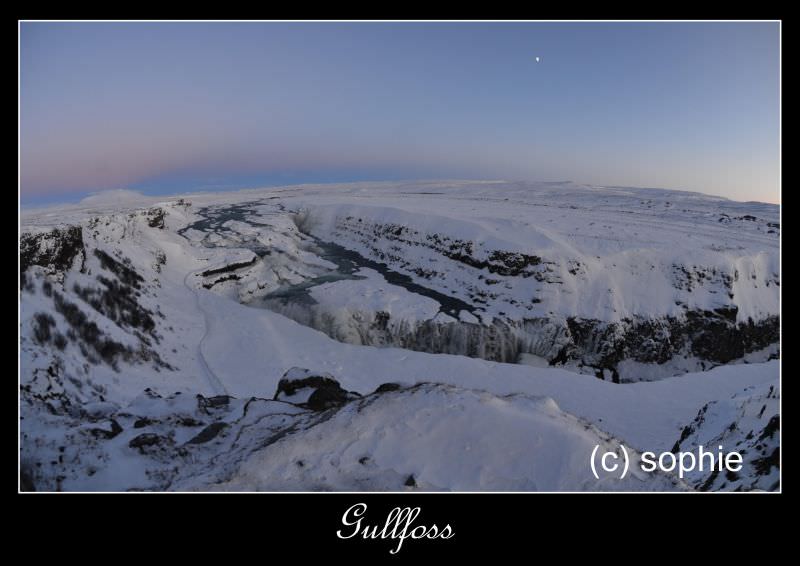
x=521 y=325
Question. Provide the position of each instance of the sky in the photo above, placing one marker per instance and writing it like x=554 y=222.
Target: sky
x=170 y=107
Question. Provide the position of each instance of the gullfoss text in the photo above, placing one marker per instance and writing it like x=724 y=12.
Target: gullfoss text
x=398 y=526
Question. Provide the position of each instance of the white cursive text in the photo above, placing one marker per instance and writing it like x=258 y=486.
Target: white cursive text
x=398 y=526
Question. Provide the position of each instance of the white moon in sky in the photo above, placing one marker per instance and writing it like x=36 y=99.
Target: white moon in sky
x=537 y=59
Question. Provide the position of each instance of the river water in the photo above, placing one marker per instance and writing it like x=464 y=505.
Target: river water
x=348 y=262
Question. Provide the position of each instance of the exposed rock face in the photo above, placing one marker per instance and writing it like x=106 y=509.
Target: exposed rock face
x=208 y=433
x=230 y=267
x=496 y=262
x=208 y=404
x=230 y=277
x=387 y=387
x=56 y=250
x=714 y=337
x=315 y=391
x=229 y=270
x=146 y=440
x=113 y=430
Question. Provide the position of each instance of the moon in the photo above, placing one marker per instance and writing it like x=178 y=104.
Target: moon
x=537 y=59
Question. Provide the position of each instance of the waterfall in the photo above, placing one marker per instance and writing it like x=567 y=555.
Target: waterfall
x=501 y=341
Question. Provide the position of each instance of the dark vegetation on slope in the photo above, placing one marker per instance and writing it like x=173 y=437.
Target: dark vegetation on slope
x=94 y=344
x=122 y=270
x=117 y=299
x=43 y=331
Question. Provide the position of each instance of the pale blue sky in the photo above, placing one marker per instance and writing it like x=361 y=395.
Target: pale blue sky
x=163 y=107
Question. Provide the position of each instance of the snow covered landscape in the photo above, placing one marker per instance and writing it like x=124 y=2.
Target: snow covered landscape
x=397 y=336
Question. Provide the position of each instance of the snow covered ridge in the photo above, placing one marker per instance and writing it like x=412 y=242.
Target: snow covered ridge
x=148 y=325
x=394 y=438
x=428 y=437
x=400 y=439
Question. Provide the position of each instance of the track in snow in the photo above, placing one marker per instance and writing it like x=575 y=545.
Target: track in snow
x=213 y=381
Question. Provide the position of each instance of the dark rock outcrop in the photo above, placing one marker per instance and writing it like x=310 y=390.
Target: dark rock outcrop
x=713 y=336
x=155 y=217
x=230 y=267
x=208 y=433
x=114 y=430
x=326 y=398
x=147 y=439
x=325 y=391
x=143 y=422
x=55 y=250
x=386 y=387
x=216 y=402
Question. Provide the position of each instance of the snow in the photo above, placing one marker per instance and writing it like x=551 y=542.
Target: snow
x=625 y=244
x=746 y=422
x=463 y=423
x=445 y=438
x=250 y=349
x=371 y=293
x=533 y=361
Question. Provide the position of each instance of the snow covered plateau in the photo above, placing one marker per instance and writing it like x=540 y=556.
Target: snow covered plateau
x=421 y=336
